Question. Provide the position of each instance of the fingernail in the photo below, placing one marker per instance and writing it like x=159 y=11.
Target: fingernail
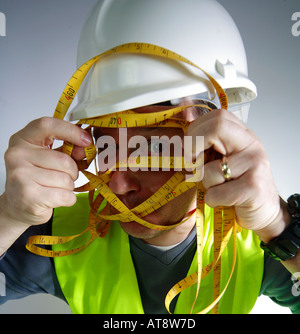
x=86 y=138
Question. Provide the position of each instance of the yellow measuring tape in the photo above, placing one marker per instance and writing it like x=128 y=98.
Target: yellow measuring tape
x=104 y=200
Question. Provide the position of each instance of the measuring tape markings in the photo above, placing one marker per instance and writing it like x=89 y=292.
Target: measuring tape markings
x=194 y=278
x=172 y=188
x=125 y=119
x=115 y=202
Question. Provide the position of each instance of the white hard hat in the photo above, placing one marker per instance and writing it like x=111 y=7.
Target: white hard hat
x=199 y=30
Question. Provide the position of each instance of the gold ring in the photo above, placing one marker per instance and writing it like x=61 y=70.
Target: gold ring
x=225 y=169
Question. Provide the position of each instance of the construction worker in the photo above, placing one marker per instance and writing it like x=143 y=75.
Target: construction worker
x=132 y=268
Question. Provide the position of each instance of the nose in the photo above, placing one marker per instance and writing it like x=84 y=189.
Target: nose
x=123 y=182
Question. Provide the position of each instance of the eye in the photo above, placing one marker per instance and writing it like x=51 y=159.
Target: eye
x=155 y=147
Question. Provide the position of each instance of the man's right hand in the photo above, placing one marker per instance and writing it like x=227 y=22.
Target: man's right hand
x=39 y=179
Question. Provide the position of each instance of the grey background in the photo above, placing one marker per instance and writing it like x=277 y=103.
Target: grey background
x=38 y=55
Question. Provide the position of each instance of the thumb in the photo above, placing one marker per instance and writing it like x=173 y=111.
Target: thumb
x=78 y=153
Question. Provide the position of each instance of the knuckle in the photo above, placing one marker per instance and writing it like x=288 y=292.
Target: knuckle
x=263 y=165
x=65 y=161
x=15 y=152
x=256 y=181
x=15 y=179
x=15 y=157
x=13 y=139
x=259 y=159
x=219 y=121
x=220 y=112
x=27 y=194
x=67 y=198
x=210 y=198
x=257 y=144
x=18 y=174
x=68 y=165
x=44 y=123
x=67 y=181
x=10 y=156
x=251 y=180
x=46 y=128
x=25 y=199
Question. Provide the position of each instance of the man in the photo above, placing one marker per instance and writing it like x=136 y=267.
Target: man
x=39 y=179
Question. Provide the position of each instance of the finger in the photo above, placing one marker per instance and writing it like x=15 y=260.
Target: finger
x=56 y=197
x=213 y=174
x=43 y=131
x=33 y=202
x=252 y=158
x=50 y=178
x=247 y=192
x=239 y=192
x=45 y=198
x=43 y=158
x=222 y=131
x=78 y=153
x=248 y=195
x=224 y=113
x=57 y=161
x=225 y=194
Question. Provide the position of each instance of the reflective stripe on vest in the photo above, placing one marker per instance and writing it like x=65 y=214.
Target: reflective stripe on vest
x=101 y=278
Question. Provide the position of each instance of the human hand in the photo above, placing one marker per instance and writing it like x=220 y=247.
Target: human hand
x=251 y=189
x=38 y=178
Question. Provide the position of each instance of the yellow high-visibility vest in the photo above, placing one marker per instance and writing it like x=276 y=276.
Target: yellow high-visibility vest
x=101 y=278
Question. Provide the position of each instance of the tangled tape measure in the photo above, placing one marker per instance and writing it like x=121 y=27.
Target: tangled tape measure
x=104 y=200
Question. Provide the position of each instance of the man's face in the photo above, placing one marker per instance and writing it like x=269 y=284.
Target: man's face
x=134 y=187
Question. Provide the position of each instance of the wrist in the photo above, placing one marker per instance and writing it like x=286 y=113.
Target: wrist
x=10 y=229
x=286 y=246
x=277 y=226
x=7 y=219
